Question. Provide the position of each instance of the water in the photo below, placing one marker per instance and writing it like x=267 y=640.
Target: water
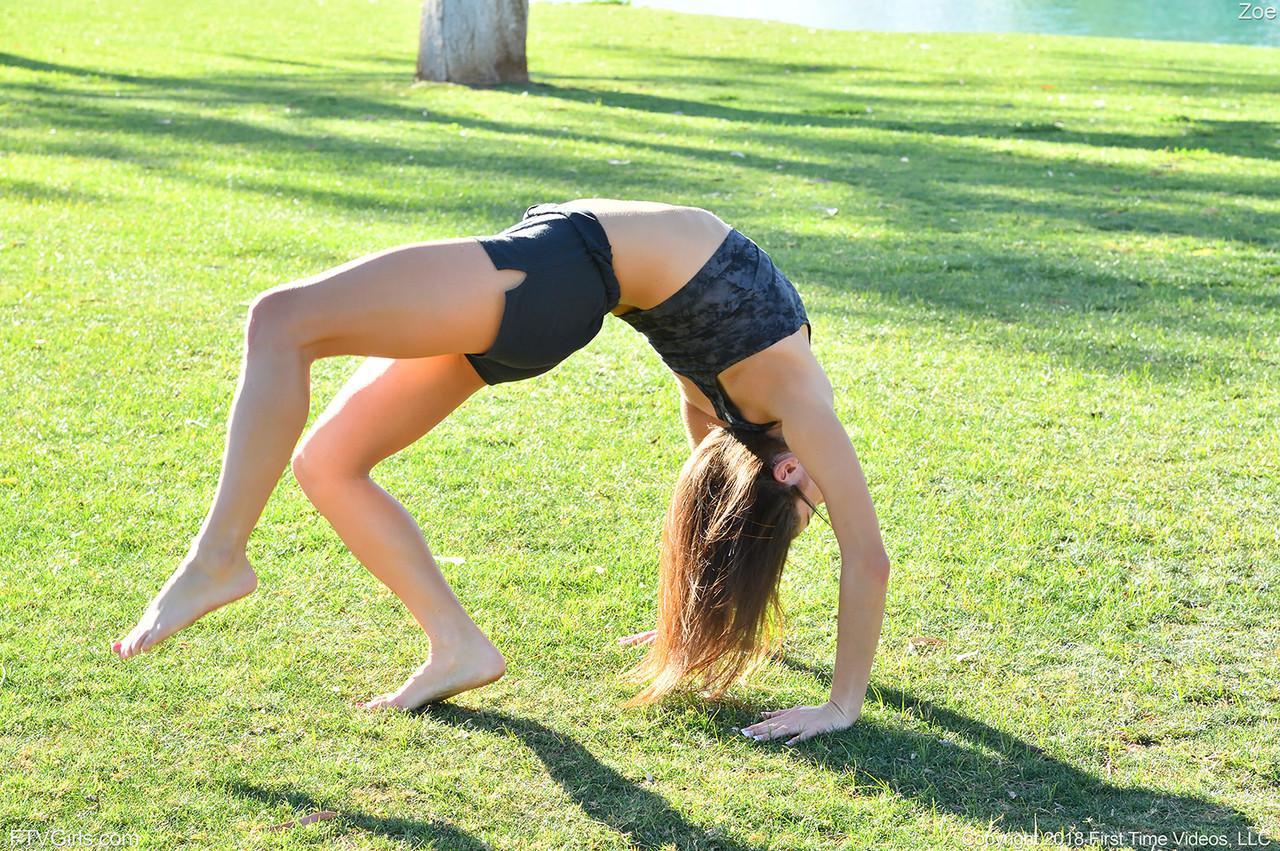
x=1179 y=20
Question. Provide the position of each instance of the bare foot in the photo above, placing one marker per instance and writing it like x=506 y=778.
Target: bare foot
x=646 y=637
x=197 y=587
x=474 y=664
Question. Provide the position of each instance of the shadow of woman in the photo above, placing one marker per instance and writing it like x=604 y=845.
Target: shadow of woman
x=642 y=816
x=991 y=778
x=996 y=778
x=409 y=830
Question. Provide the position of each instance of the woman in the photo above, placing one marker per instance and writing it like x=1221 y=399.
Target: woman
x=439 y=320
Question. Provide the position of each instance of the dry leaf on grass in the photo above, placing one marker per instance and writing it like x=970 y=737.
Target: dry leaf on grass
x=921 y=643
x=323 y=815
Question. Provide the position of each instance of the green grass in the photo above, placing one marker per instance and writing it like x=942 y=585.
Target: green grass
x=1042 y=274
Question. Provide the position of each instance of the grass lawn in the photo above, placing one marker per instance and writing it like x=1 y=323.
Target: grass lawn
x=1042 y=274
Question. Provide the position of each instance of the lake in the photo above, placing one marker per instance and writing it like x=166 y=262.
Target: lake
x=1180 y=20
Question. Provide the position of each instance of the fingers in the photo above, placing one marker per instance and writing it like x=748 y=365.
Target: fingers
x=779 y=715
x=770 y=720
x=763 y=731
x=779 y=731
x=768 y=734
x=792 y=724
x=639 y=638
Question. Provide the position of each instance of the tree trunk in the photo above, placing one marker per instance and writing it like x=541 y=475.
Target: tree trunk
x=476 y=42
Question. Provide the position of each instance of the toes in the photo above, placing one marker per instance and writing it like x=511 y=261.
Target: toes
x=398 y=700
x=133 y=643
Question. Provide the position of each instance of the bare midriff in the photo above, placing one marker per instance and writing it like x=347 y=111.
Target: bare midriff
x=657 y=247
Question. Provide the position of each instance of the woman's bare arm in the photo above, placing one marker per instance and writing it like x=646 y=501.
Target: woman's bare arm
x=815 y=435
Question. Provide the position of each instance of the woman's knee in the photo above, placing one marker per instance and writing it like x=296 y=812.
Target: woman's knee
x=320 y=472
x=274 y=318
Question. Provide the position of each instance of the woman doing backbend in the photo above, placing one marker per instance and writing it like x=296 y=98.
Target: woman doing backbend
x=439 y=320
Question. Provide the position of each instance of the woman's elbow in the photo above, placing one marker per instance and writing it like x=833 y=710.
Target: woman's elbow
x=874 y=564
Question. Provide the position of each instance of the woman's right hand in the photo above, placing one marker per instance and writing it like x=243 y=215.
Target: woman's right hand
x=638 y=638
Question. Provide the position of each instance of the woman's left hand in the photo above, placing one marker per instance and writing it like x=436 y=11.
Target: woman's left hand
x=800 y=723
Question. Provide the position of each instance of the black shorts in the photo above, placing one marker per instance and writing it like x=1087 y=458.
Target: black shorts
x=560 y=306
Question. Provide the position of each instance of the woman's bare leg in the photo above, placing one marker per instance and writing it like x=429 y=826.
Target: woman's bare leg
x=384 y=407
x=408 y=302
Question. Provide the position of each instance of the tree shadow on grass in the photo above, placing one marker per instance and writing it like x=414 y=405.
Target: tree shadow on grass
x=1050 y=299
x=949 y=174
x=408 y=830
x=1030 y=300
x=993 y=777
x=31 y=190
x=893 y=110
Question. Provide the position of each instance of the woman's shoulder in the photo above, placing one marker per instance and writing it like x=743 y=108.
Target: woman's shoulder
x=761 y=384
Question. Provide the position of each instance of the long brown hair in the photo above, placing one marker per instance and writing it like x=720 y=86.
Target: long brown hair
x=724 y=542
